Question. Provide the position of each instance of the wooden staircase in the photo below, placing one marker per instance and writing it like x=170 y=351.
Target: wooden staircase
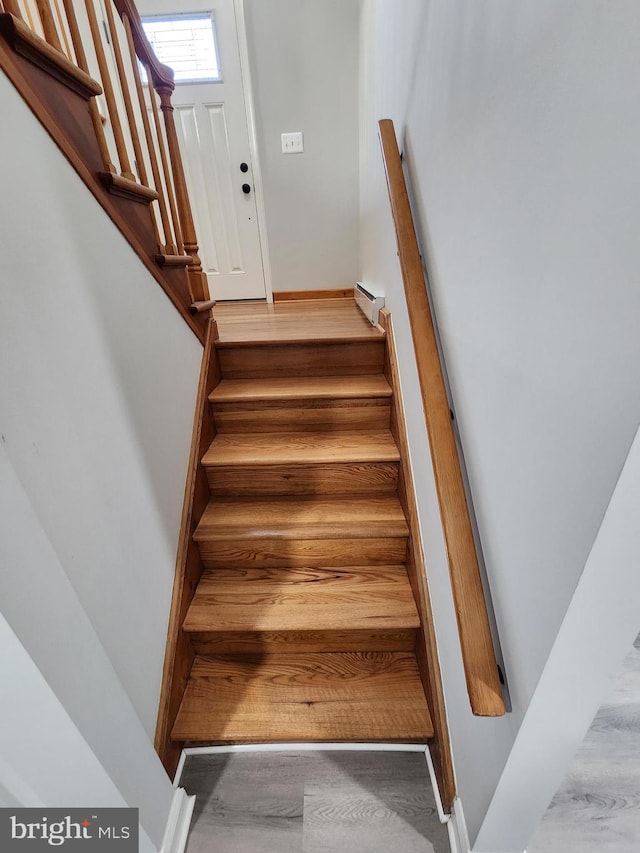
x=303 y=622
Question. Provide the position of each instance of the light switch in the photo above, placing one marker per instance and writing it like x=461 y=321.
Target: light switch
x=292 y=143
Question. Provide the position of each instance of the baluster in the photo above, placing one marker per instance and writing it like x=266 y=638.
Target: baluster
x=197 y=277
x=168 y=246
x=29 y=19
x=12 y=8
x=165 y=166
x=81 y=59
x=63 y=30
x=126 y=94
x=48 y=24
x=121 y=147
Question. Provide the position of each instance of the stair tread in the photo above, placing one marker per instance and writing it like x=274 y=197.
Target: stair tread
x=301 y=448
x=295 y=599
x=303 y=518
x=353 y=696
x=300 y=388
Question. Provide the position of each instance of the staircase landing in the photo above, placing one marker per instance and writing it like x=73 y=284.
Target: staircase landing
x=302 y=320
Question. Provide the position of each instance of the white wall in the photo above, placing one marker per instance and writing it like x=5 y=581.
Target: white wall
x=40 y=603
x=592 y=640
x=304 y=65
x=97 y=387
x=519 y=130
x=98 y=376
x=44 y=760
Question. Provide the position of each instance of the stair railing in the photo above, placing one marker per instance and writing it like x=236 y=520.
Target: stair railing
x=100 y=50
x=479 y=660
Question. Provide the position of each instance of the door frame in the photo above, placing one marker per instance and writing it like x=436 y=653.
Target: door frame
x=245 y=71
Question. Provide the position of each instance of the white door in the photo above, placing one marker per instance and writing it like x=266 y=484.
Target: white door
x=211 y=121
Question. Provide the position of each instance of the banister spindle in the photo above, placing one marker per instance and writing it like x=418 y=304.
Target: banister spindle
x=12 y=8
x=197 y=278
x=81 y=59
x=63 y=30
x=165 y=166
x=126 y=94
x=30 y=19
x=168 y=246
x=121 y=147
x=48 y=24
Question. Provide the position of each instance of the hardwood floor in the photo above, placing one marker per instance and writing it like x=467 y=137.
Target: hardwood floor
x=312 y=802
x=597 y=807
x=333 y=319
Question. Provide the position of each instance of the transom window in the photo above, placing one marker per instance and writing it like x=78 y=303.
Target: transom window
x=187 y=43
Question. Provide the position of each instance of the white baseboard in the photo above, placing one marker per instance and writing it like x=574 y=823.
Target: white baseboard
x=444 y=818
x=294 y=747
x=457 y=826
x=178 y=822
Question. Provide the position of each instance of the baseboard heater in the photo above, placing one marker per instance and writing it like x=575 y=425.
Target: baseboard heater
x=369 y=304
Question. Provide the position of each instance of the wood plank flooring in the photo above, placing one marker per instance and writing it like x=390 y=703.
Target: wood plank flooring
x=312 y=802
x=325 y=319
x=597 y=807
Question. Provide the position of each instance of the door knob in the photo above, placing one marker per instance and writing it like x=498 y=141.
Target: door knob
x=246 y=189
x=244 y=167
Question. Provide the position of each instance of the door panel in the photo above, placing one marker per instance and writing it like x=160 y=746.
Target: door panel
x=187 y=129
x=222 y=163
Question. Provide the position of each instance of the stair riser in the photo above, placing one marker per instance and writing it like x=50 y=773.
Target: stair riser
x=336 y=359
x=264 y=480
x=303 y=416
x=299 y=642
x=272 y=552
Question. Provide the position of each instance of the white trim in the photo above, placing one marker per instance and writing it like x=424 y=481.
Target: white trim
x=444 y=818
x=180 y=768
x=295 y=747
x=245 y=73
x=178 y=822
x=457 y=827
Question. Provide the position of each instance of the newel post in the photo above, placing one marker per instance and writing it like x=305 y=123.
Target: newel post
x=197 y=278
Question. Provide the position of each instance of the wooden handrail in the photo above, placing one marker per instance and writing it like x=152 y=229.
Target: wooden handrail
x=160 y=75
x=480 y=667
